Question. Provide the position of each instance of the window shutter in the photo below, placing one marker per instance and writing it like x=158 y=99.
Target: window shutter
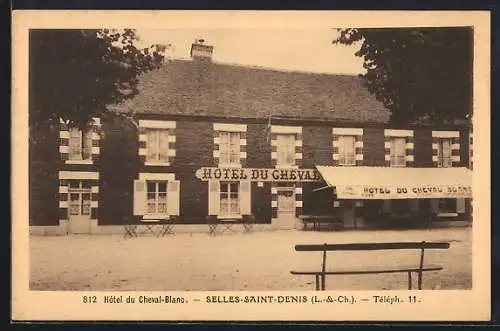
x=151 y=145
x=75 y=144
x=213 y=197
x=245 y=198
x=434 y=205
x=139 y=197
x=386 y=206
x=446 y=148
x=341 y=145
x=173 y=194
x=234 y=148
x=87 y=144
x=291 y=150
x=224 y=147
x=163 y=145
x=460 y=205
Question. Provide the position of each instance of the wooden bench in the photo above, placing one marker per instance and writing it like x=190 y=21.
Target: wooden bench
x=332 y=222
x=418 y=268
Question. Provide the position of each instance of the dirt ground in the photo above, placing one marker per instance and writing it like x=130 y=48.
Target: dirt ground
x=236 y=261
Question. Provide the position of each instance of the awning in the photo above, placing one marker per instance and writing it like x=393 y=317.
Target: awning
x=398 y=183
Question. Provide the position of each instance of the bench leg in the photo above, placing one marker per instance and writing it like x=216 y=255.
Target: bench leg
x=409 y=280
x=317 y=282
x=420 y=280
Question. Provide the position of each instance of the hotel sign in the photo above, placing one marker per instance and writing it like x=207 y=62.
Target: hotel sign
x=403 y=192
x=259 y=174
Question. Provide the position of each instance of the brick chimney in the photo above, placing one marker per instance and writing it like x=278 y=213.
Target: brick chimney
x=200 y=51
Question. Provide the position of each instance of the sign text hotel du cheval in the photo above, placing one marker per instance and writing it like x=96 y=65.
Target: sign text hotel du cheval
x=259 y=174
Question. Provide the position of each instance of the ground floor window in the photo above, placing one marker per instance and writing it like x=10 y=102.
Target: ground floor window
x=79 y=197
x=229 y=198
x=400 y=206
x=156 y=197
x=447 y=206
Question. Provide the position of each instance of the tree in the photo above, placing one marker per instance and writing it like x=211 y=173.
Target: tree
x=419 y=74
x=76 y=74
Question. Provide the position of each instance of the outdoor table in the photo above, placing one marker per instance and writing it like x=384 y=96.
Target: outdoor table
x=130 y=230
x=317 y=220
x=227 y=224
x=167 y=227
x=157 y=227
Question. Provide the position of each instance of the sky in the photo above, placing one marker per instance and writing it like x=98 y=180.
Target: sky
x=308 y=50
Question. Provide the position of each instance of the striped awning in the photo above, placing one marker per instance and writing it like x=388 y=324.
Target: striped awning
x=398 y=183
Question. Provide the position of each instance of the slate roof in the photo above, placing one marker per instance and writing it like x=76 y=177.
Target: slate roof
x=201 y=88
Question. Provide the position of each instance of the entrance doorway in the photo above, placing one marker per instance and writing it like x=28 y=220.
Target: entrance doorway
x=286 y=208
x=80 y=193
x=348 y=213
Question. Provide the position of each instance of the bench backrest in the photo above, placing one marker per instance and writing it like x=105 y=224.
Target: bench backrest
x=372 y=246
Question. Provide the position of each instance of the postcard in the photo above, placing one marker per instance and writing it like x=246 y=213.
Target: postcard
x=251 y=166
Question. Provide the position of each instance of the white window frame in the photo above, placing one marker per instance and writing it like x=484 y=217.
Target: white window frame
x=157 y=159
x=347 y=159
x=229 y=148
x=444 y=161
x=84 y=145
x=229 y=213
x=289 y=150
x=398 y=159
x=156 y=193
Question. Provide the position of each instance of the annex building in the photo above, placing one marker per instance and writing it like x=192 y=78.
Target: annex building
x=232 y=141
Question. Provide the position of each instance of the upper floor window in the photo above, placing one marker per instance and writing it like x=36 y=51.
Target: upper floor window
x=347 y=150
x=229 y=147
x=398 y=152
x=80 y=144
x=156 y=197
x=285 y=150
x=444 y=153
x=157 y=145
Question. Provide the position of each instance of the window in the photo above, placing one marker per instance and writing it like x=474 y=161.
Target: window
x=80 y=144
x=347 y=150
x=398 y=152
x=444 y=153
x=157 y=145
x=79 y=197
x=229 y=146
x=446 y=206
x=229 y=198
x=286 y=150
x=400 y=206
x=156 y=197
